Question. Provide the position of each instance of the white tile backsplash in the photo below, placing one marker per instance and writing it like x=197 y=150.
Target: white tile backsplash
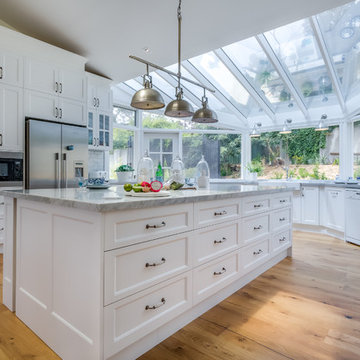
x=96 y=161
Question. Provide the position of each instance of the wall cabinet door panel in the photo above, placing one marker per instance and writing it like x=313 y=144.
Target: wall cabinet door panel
x=334 y=209
x=40 y=76
x=11 y=69
x=72 y=85
x=72 y=112
x=41 y=106
x=310 y=205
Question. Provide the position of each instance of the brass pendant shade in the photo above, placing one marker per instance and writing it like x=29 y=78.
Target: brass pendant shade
x=147 y=98
x=204 y=115
x=179 y=107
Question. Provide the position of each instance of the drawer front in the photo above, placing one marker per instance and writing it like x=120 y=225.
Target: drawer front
x=213 y=276
x=214 y=241
x=255 y=254
x=255 y=205
x=130 y=319
x=255 y=227
x=280 y=219
x=212 y=212
x=281 y=240
x=134 y=268
x=130 y=227
x=279 y=201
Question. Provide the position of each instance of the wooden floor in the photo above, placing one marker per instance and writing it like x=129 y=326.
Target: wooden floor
x=306 y=307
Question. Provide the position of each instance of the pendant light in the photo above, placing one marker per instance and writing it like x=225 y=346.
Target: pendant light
x=147 y=98
x=286 y=129
x=179 y=107
x=255 y=133
x=322 y=126
x=204 y=114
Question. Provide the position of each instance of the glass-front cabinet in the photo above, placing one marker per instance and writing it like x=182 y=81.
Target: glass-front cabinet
x=99 y=128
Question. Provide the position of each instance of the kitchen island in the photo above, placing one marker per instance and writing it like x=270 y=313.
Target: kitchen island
x=100 y=275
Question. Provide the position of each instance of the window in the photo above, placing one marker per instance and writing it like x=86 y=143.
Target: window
x=356 y=149
x=162 y=148
x=305 y=153
x=123 y=140
x=222 y=152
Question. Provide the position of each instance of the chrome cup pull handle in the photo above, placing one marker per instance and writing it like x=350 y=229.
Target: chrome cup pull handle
x=223 y=270
x=282 y=201
x=153 y=307
x=2 y=228
x=220 y=241
x=257 y=252
x=282 y=239
x=156 y=226
x=1 y=72
x=258 y=227
x=162 y=261
x=282 y=219
x=220 y=213
x=257 y=206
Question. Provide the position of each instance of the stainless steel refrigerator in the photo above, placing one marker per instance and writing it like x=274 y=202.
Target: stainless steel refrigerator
x=55 y=154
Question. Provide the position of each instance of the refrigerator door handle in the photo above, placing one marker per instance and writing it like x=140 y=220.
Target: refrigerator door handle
x=64 y=171
x=57 y=170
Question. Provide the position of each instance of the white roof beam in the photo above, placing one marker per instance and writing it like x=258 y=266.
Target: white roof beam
x=283 y=73
x=173 y=82
x=224 y=58
x=218 y=94
x=328 y=61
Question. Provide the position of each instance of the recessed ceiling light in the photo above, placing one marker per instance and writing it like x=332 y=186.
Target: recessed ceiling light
x=347 y=32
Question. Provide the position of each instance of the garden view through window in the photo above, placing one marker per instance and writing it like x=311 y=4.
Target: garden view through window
x=302 y=154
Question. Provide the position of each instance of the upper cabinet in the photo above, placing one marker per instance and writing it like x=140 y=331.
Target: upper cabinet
x=54 y=93
x=11 y=69
x=99 y=112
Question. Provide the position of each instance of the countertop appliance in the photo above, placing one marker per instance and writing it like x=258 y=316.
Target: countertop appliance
x=352 y=211
x=55 y=154
x=11 y=169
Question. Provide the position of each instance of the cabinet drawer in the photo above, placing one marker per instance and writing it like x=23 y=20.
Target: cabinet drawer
x=214 y=241
x=255 y=227
x=130 y=319
x=255 y=205
x=279 y=201
x=134 y=268
x=213 y=276
x=212 y=212
x=281 y=240
x=254 y=254
x=130 y=227
x=280 y=219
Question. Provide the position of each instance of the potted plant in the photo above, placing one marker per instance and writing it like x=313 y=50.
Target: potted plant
x=124 y=173
x=255 y=168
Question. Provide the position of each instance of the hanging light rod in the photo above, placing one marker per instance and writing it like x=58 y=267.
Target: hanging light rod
x=170 y=72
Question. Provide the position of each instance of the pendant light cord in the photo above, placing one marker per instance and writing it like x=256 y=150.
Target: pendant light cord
x=179 y=42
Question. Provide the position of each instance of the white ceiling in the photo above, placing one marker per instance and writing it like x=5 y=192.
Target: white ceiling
x=107 y=31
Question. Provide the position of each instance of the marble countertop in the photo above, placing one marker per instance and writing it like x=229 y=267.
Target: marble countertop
x=297 y=183
x=114 y=198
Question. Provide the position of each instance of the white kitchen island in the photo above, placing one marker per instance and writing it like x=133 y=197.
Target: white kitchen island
x=100 y=275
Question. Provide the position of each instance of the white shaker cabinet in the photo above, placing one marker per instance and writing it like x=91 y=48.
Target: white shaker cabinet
x=297 y=206
x=11 y=69
x=334 y=217
x=310 y=205
x=11 y=118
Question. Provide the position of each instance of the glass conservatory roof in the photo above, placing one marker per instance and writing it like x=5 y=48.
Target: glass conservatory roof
x=298 y=71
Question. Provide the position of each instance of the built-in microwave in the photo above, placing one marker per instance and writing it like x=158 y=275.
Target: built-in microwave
x=11 y=169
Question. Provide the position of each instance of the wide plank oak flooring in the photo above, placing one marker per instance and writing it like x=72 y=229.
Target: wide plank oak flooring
x=305 y=307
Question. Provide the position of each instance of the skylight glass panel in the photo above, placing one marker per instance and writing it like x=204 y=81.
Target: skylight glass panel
x=134 y=84
x=296 y=47
x=217 y=73
x=341 y=31
x=251 y=60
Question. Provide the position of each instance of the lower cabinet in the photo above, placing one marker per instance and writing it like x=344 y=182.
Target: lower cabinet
x=334 y=208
